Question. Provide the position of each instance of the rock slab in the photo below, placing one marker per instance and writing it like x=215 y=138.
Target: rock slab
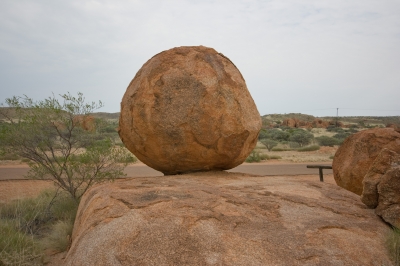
x=220 y=218
x=357 y=153
x=188 y=109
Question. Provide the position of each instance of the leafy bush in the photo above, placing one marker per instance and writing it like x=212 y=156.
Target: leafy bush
x=269 y=143
x=342 y=135
x=125 y=156
x=8 y=156
x=53 y=136
x=294 y=145
x=274 y=134
x=309 y=148
x=256 y=156
x=327 y=141
x=301 y=137
x=263 y=134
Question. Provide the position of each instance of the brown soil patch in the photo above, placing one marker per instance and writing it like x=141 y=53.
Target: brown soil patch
x=18 y=189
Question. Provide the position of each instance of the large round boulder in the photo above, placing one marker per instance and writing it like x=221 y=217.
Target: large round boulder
x=357 y=153
x=188 y=109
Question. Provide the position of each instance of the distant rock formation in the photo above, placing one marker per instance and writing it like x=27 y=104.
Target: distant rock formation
x=220 y=218
x=317 y=123
x=188 y=109
x=358 y=152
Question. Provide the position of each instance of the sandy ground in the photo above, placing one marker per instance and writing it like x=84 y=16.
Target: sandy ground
x=18 y=189
x=293 y=163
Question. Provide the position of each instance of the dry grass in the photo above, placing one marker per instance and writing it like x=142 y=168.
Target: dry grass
x=324 y=154
x=318 y=132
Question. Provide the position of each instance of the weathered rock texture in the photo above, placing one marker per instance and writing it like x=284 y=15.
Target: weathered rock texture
x=382 y=163
x=188 y=109
x=220 y=218
x=357 y=153
x=389 y=196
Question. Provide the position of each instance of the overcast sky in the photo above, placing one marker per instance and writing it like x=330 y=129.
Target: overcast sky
x=296 y=56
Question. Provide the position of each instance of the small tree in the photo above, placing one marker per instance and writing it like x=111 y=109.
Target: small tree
x=327 y=141
x=301 y=137
x=269 y=143
x=49 y=134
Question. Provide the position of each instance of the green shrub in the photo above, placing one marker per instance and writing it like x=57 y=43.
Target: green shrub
x=393 y=245
x=256 y=156
x=333 y=128
x=294 y=145
x=28 y=215
x=269 y=143
x=8 y=156
x=125 y=156
x=327 y=141
x=342 y=135
x=17 y=248
x=301 y=137
x=274 y=134
x=27 y=226
x=309 y=148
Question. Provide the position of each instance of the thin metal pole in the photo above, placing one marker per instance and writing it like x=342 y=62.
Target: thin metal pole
x=337 y=116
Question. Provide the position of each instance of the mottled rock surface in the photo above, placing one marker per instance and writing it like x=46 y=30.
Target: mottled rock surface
x=382 y=163
x=389 y=196
x=188 y=109
x=220 y=218
x=357 y=153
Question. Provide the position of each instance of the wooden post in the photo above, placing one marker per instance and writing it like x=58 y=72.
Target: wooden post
x=320 y=167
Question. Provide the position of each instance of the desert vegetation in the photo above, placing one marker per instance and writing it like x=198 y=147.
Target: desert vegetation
x=286 y=136
x=60 y=140
x=32 y=227
x=393 y=245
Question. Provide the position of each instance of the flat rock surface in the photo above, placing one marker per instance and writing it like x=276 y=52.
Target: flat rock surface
x=220 y=218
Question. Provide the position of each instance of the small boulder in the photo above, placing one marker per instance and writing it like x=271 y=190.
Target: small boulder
x=357 y=153
x=382 y=163
x=188 y=109
x=389 y=196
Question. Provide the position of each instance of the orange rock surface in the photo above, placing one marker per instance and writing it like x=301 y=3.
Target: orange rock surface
x=188 y=109
x=389 y=196
x=220 y=218
x=357 y=153
x=382 y=163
